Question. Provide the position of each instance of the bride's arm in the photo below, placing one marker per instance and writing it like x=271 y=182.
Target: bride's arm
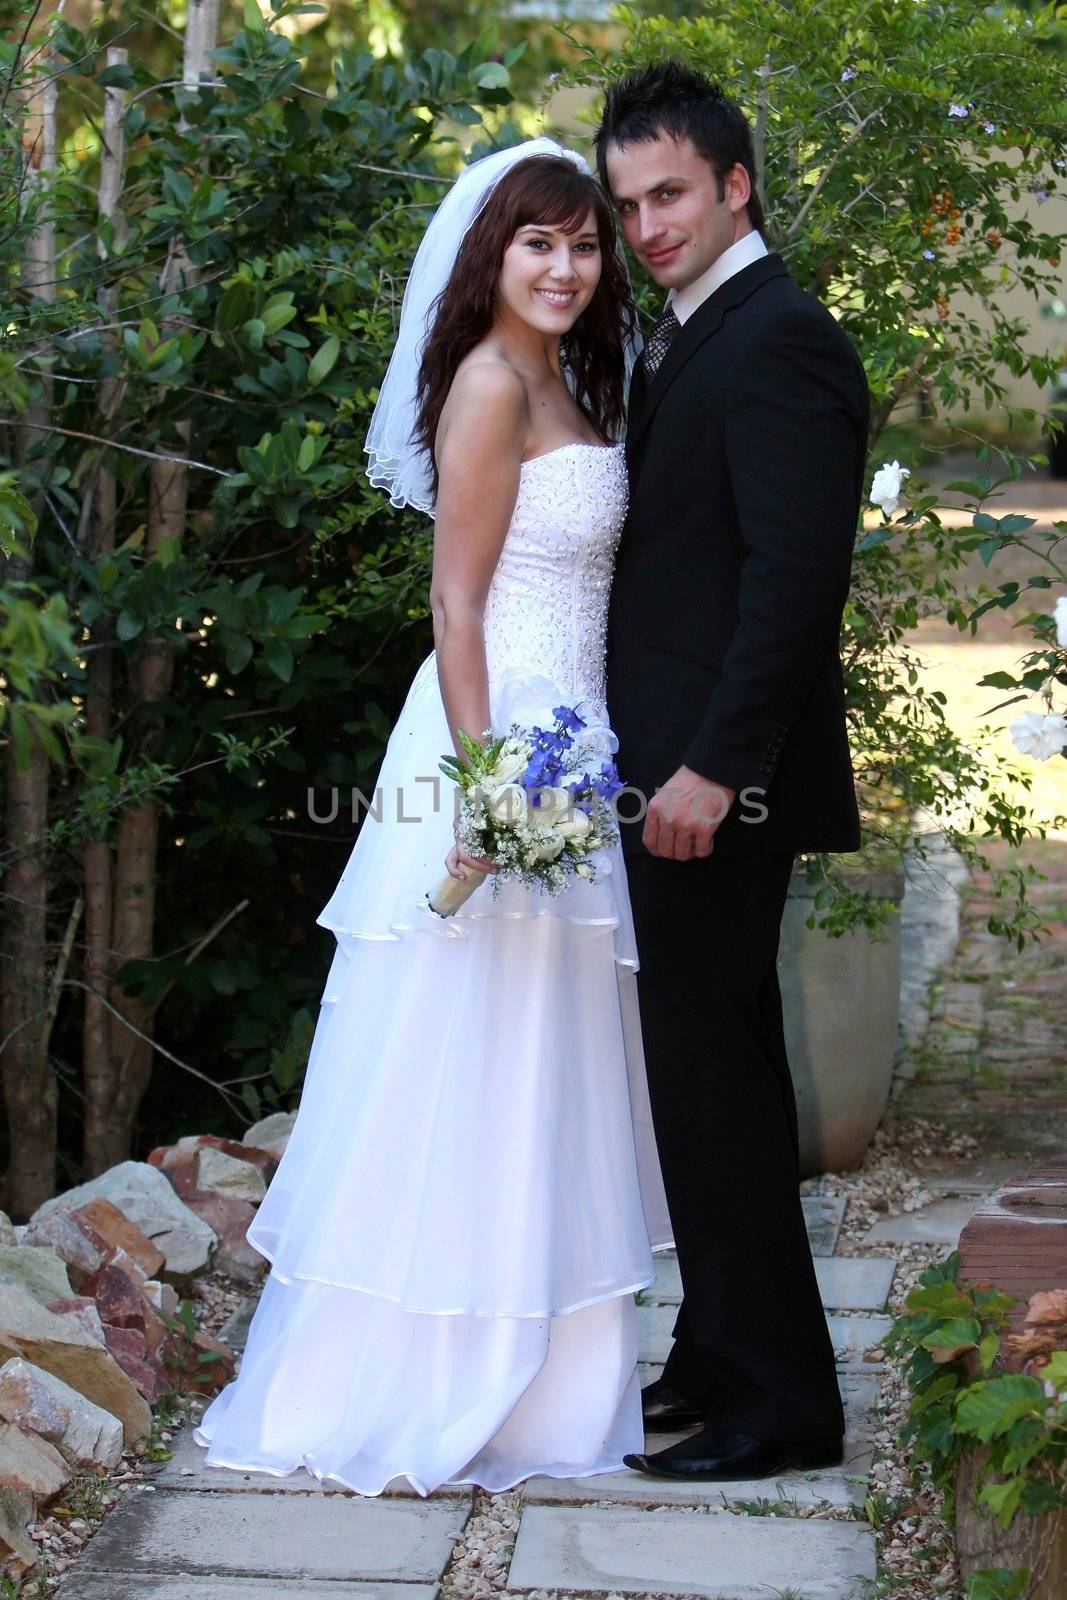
x=479 y=451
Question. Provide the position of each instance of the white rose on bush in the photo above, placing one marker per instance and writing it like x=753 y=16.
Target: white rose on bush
x=1060 y=615
x=1039 y=735
x=887 y=489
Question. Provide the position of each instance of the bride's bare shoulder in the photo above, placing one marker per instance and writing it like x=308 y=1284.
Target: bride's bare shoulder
x=486 y=392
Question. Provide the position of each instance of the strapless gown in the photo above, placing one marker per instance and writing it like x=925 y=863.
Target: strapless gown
x=470 y=1195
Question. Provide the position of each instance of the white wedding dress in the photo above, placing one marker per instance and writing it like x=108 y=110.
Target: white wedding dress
x=466 y=1205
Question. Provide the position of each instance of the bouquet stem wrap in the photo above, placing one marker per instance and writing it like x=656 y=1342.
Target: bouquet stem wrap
x=451 y=893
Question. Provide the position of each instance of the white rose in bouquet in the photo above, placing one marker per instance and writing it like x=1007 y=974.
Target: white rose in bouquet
x=574 y=827
x=543 y=847
x=552 y=805
x=508 y=805
x=506 y=769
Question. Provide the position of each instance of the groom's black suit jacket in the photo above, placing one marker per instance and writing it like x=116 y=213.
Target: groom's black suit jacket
x=746 y=460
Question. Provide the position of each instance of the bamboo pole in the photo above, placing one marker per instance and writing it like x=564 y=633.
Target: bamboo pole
x=101 y=503
x=151 y=675
x=29 y=1086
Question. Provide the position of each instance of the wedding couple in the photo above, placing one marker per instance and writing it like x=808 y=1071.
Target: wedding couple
x=493 y=1136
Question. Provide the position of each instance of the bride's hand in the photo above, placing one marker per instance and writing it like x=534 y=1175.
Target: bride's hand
x=457 y=861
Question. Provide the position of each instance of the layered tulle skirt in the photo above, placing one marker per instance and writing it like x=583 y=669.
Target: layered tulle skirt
x=470 y=1195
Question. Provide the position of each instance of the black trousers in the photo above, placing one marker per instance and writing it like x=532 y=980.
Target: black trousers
x=726 y=1126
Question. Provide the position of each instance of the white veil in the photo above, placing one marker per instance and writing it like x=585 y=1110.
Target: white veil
x=396 y=462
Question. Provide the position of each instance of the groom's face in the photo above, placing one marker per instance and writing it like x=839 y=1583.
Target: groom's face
x=677 y=214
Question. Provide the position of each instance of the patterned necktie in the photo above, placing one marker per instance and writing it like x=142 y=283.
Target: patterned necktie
x=664 y=329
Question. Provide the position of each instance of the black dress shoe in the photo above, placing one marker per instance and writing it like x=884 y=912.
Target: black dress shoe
x=667 y=1411
x=714 y=1455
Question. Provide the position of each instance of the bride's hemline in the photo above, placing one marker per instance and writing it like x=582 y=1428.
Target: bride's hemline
x=304 y=1465
x=457 y=1311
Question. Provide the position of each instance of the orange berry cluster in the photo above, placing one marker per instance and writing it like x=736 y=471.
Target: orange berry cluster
x=941 y=206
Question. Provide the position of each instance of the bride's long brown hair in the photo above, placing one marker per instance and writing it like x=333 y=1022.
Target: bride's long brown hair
x=552 y=191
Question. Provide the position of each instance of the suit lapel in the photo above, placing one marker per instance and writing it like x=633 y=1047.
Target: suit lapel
x=706 y=321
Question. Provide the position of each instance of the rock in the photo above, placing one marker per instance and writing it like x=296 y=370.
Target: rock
x=18 y=1553
x=81 y=1308
x=132 y=1268
x=7 y=1230
x=119 y=1299
x=122 y=1303
x=88 y=1433
x=83 y=1250
x=33 y=1268
x=230 y=1219
x=188 y=1148
x=29 y=1462
x=111 y=1224
x=215 y=1170
x=203 y=1375
x=127 y=1346
x=62 y=1345
x=29 y=1403
x=145 y=1197
x=269 y=1130
x=162 y=1295
x=75 y=1238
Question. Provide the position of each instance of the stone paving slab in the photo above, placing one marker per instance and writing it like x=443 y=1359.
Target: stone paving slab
x=846 y=1283
x=823 y=1216
x=622 y=1549
x=851 y=1335
x=114 y=1585
x=851 y=1283
x=979 y=1177
x=840 y=1486
x=187 y=1469
x=940 y=1223
x=234 y=1330
x=837 y=1486
x=275 y=1536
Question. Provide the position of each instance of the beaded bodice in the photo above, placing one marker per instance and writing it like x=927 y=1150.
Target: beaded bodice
x=547 y=607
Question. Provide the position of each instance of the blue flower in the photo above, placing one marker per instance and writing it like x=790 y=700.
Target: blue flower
x=567 y=718
x=541 y=768
x=929 y=255
x=955 y=110
x=849 y=73
x=609 y=782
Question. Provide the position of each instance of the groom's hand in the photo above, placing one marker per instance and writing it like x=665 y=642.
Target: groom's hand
x=684 y=815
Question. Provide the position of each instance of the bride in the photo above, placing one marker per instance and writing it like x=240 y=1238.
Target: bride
x=465 y=1208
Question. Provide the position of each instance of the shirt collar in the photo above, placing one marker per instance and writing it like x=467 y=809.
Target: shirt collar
x=742 y=254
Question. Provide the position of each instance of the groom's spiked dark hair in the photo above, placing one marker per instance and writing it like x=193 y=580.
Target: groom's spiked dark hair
x=669 y=97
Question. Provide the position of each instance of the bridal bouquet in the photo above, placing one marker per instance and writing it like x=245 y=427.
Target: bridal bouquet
x=531 y=803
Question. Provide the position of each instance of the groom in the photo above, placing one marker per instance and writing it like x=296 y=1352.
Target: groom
x=746 y=445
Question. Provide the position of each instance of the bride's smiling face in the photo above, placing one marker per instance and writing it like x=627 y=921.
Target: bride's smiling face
x=548 y=276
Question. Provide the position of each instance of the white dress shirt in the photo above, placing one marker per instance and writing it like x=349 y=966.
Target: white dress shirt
x=742 y=254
